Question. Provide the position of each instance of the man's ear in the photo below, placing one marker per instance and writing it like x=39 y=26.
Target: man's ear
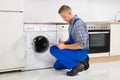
x=69 y=12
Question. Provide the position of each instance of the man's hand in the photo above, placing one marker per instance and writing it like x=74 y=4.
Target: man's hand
x=61 y=42
x=60 y=45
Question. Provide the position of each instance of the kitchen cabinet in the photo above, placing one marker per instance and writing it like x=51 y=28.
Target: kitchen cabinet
x=11 y=35
x=11 y=5
x=115 y=39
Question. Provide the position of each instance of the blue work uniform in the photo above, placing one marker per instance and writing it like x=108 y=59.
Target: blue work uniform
x=68 y=58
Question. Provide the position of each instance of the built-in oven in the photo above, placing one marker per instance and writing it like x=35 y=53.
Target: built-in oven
x=99 y=38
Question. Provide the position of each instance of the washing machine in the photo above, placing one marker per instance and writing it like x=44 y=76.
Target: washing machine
x=39 y=38
x=62 y=32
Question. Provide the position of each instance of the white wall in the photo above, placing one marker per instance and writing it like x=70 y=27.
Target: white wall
x=88 y=10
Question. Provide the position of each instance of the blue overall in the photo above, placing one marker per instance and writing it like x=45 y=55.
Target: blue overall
x=68 y=58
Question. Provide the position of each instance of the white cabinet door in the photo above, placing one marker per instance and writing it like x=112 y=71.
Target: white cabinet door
x=11 y=40
x=11 y=5
x=115 y=39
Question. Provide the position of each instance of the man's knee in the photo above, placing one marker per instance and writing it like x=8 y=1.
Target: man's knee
x=53 y=49
x=58 y=66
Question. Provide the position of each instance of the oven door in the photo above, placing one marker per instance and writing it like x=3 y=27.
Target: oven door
x=99 y=41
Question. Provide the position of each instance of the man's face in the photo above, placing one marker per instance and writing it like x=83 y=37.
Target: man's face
x=66 y=16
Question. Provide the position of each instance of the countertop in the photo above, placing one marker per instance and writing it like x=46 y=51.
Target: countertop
x=88 y=22
x=102 y=22
x=45 y=22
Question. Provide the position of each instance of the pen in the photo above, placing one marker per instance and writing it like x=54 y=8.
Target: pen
x=59 y=40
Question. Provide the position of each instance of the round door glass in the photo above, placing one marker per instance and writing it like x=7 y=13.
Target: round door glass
x=40 y=44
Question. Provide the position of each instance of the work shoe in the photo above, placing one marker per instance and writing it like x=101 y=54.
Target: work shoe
x=86 y=63
x=78 y=68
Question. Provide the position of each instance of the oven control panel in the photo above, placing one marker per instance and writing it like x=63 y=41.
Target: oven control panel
x=98 y=26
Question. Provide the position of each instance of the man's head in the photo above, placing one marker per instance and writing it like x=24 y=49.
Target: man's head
x=66 y=13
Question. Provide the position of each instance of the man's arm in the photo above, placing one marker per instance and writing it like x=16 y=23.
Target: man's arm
x=73 y=46
x=69 y=46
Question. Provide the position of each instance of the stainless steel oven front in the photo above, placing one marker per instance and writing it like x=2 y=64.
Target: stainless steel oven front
x=99 y=38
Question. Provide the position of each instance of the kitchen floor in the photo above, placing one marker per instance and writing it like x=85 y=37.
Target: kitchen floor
x=97 y=71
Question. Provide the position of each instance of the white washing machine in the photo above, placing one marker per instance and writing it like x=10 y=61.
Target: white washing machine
x=39 y=38
x=62 y=32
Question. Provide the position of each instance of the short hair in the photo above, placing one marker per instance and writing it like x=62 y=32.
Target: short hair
x=64 y=8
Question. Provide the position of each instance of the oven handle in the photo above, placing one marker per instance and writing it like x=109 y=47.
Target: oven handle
x=99 y=32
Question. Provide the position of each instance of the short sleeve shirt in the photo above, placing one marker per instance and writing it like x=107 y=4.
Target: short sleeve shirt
x=79 y=33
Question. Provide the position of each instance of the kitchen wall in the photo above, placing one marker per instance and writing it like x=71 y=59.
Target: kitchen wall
x=88 y=10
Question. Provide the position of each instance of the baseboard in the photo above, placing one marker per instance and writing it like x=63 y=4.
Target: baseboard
x=104 y=59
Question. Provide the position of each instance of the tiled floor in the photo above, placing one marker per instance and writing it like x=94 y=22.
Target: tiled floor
x=97 y=71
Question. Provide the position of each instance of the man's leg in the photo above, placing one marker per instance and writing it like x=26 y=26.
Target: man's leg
x=58 y=65
x=71 y=59
x=63 y=59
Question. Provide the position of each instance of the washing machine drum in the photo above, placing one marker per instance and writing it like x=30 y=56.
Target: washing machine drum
x=40 y=44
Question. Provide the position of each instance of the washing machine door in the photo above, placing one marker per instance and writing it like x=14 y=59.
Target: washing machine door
x=40 y=44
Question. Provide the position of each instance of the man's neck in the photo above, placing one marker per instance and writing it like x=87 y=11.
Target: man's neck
x=72 y=17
